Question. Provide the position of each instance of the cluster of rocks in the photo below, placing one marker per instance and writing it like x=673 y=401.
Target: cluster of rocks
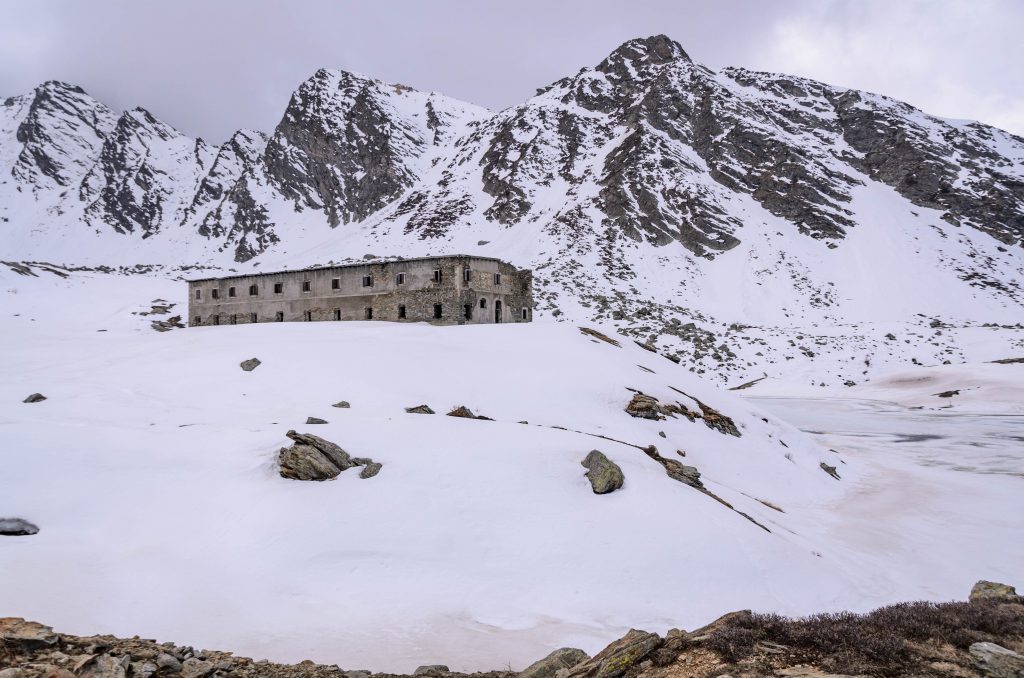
x=737 y=644
x=644 y=406
x=313 y=458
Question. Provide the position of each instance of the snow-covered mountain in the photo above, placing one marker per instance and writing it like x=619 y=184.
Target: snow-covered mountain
x=725 y=217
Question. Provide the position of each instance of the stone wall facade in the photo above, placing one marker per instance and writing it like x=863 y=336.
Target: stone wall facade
x=448 y=290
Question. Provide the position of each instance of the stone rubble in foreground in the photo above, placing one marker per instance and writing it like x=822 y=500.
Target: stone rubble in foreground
x=981 y=637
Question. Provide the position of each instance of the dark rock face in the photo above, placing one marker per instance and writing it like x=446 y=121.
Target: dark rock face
x=16 y=527
x=250 y=364
x=34 y=398
x=604 y=475
x=619 y=658
x=315 y=420
x=548 y=667
x=419 y=409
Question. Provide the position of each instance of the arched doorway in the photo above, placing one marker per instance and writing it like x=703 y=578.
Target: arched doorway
x=497 y=311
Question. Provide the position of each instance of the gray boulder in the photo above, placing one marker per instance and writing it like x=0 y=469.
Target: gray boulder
x=335 y=454
x=990 y=590
x=604 y=475
x=105 y=666
x=419 y=409
x=996 y=661
x=16 y=527
x=168 y=662
x=25 y=636
x=831 y=470
x=431 y=670
x=644 y=407
x=621 y=656
x=563 y=658
x=250 y=364
x=305 y=462
x=315 y=420
x=342 y=404
x=370 y=470
x=34 y=398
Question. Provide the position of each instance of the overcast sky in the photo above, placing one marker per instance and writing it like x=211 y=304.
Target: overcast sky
x=209 y=67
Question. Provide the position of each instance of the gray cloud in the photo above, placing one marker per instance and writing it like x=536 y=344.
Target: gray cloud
x=211 y=67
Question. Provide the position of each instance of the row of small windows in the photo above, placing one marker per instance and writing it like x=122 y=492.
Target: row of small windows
x=307 y=285
x=467 y=311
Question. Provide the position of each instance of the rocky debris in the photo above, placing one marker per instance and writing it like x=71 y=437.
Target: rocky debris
x=996 y=661
x=831 y=470
x=716 y=420
x=26 y=636
x=34 y=398
x=604 y=475
x=645 y=407
x=172 y=323
x=1008 y=361
x=431 y=670
x=990 y=590
x=16 y=527
x=420 y=409
x=466 y=413
x=599 y=335
x=621 y=657
x=342 y=404
x=688 y=475
x=312 y=458
x=250 y=364
x=947 y=394
x=560 y=659
x=315 y=420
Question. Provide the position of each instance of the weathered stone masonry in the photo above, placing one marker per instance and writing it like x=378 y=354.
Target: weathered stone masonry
x=449 y=290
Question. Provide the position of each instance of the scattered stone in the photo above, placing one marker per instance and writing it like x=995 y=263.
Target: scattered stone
x=25 y=635
x=604 y=475
x=342 y=404
x=315 y=420
x=831 y=470
x=990 y=590
x=996 y=661
x=462 y=411
x=662 y=434
x=250 y=364
x=34 y=398
x=688 y=475
x=370 y=470
x=563 y=658
x=431 y=669
x=16 y=527
x=312 y=458
x=599 y=335
x=420 y=409
x=619 y=657
x=196 y=668
x=105 y=666
x=947 y=394
x=481 y=243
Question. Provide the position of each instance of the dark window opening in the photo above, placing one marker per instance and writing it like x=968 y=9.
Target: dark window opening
x=198 y=320
x=216 y=320
x=497 y=278
x=367 y=281
x=231 y=291
x=437 y=310
x=253 y=318
x=467 y=311
x=307 y=315
x=254 y=290
x=199 y=294
x=279 y=317
x=337 y=314
x=278 y=288
x=524 y=314
x=234 y=319
x=437 y=275
x=497 y=311
x=306 y=286
x=215 y=293
x=401 y=311
x=335 y=283
x=467 y=274
x=400 y=279
x=483 y=303
x=369 y=314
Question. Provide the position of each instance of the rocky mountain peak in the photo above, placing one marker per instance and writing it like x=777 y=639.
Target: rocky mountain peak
x=641 y=52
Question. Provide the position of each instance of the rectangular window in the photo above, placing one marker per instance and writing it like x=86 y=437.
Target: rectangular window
x=437 y=310
x=198 y=320
x=401 y=311
x=215 y=293
x=231 y=291
x=400 y=279
x=369 y=314
x=306 y=286
x=278 y=288
x=307 y=315
x=254 y=290
x=467 y=311
x=437 y=275
x=337 y=314
x=253 y=318
x=497 y=278
x=279 y=317
x=199 y=294
x=367 y=281
x=524 y=314
x=335 y=283
x=467 y=274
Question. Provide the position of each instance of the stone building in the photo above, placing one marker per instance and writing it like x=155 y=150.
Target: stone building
x=446 y=290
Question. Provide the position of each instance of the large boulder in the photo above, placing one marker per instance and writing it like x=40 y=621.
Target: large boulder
x=990 y=590
x=335 y=454
x=16 y=527
x=431 y=670
x=312 y=458
x=996 y=661
x=644 y=407
x=604 y=475
x=563 y=658
x=619 y=657
x=24 y=635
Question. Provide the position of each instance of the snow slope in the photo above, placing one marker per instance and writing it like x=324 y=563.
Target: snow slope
x=150 y=470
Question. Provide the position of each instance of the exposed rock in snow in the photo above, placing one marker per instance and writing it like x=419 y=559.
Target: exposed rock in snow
x=549 y=666
x=989 y=590
x=419 y=409
x=250 y=364
x=604 y=475
x=34 y=398
x=16 y=527
x=315 y=420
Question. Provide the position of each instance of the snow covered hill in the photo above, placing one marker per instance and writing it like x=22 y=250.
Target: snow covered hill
x=745 y=223
x=151 y=470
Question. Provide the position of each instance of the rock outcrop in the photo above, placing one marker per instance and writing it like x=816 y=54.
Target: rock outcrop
x=34 y=398
x=419 y=409
x=551 y=665
x=989 y=590
x=16 y=527
x=604 y=475
x=312 y=458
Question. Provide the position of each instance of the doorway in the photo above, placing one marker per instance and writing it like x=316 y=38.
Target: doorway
x=497 y=311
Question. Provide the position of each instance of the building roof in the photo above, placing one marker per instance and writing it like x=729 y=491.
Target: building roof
x=369 y=262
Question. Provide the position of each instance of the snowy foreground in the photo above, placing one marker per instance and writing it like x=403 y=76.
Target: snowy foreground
x=151 y=471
